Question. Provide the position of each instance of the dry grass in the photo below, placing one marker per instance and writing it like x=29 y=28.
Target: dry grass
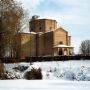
x=1 y=70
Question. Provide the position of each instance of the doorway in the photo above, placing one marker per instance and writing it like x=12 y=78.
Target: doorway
x=60 y=52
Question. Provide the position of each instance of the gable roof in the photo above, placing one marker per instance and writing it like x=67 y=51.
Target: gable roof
x=60 y=28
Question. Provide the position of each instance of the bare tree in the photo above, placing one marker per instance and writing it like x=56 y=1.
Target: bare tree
x=85 y=47
x=11 y=21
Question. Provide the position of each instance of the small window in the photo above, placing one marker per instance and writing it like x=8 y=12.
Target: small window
x=31 y=29
x=61 y=42
x=40 y=28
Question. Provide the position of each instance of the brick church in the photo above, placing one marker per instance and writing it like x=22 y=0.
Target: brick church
x=44 y=39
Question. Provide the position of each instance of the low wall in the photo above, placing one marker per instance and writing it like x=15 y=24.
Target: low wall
x=46 y=58
x=57 y=58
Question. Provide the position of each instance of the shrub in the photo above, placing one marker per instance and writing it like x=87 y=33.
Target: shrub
x=11 y=75
x=21 y=68
x=33 y=74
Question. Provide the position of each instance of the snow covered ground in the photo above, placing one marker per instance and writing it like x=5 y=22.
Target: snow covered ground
x=59 y=75
x=57 y=70
x=67 y=70
x=43 y=85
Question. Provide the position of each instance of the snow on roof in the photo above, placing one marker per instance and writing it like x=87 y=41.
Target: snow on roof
x=62 y=46
x=33 y=33
x=27 y=33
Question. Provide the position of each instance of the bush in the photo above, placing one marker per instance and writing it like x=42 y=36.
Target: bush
x=69 y=75
x=21 y=68
x=11 y=75
x=33 y=74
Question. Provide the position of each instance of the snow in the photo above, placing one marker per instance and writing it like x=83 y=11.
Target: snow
x=33 y=33
x=57 y=75
x=43 y=85
x=63 y=46
x=67 y=70
x=55 y=70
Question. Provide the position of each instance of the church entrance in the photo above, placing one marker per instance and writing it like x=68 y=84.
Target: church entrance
x=63 y=50
x=60 y=52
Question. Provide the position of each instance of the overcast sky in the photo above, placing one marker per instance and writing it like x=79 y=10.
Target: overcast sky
x=72 y=15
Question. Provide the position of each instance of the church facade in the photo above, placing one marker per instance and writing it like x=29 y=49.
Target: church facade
x=45 y=39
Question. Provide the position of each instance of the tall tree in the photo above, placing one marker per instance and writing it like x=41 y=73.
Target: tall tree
x=85 y=47
x=11 y=17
